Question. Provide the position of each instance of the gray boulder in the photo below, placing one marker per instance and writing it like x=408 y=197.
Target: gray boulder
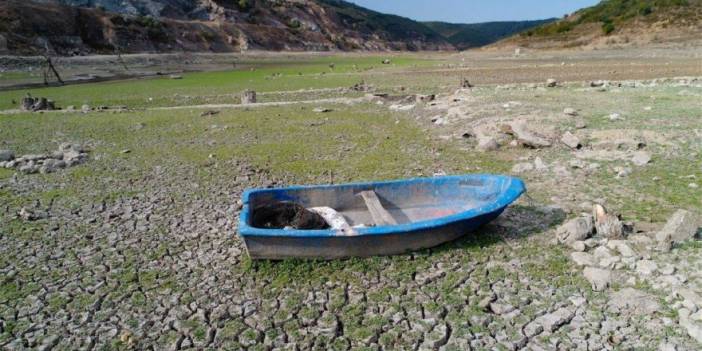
x=682 y=226
x=577 y=229
x=7 y=155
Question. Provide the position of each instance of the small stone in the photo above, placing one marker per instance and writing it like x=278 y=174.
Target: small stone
x=26 y=214
x=583 y=259
x=580 y=124
x=532 y=329
x=598 y=278
x=499 y=308
x=570 y=112
x=615 y=116
x=175 y=76
x=125 y=151
x=578 y=246
x=486 y=301
x=522 y=167
x=552 y=321
x=621 y=246
x=209 y=113
x=641 y=158
x=646 y=267
x=488 y=144
x=576 y=229
x=525 y=136
x=7 y=155
x=693 y=186
x=570 y=140
x=85 y=108
x=551 y=83
x=578 y=301
x=321 y=110
x=539 y=164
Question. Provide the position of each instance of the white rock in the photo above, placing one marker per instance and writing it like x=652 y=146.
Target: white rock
x=526 y=136
x=522 y=167
x=578 y=246
x=552 y=321
x=622 y=246
x=641 y=158
x=602 y=252
x=487 y=144
x=598 y=278
x=632 y=301
x=539 y=164
x=646 y=267
x=691 y=296
x=693 y=329
x=570 y=112
x=615 y=116
x=570 y=140
x=583 y=259
x=551 y=83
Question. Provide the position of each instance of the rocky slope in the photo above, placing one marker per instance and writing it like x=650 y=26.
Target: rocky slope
x=107 y=26
x=618 y=23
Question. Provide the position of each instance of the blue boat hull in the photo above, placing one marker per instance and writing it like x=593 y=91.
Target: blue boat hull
x=430 y=212
x=277 y=248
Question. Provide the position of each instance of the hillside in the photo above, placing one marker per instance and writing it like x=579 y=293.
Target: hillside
x=68 y=27
x=618 y=22
x=465 y=36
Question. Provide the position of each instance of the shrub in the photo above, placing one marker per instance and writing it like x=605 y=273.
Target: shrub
x=608 y=28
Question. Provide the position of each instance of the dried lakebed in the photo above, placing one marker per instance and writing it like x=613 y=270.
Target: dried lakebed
x=137 y=250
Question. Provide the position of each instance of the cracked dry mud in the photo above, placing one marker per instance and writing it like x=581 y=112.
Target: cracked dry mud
x=139 y=251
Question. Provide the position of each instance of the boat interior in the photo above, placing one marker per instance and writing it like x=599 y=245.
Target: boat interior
x=392 y=203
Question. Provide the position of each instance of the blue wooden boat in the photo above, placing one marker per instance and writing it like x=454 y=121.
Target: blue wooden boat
x=385 y=218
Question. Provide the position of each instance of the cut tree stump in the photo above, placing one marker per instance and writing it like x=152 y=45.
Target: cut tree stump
x=248 y=97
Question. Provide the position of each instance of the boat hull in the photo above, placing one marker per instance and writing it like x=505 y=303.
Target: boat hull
x=425 y=212
x=279 y=248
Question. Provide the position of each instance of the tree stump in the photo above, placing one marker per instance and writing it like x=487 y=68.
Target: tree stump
x=27 y=103
x=606 y=224
x=248 y=97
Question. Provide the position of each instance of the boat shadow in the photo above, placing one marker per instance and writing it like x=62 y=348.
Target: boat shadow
x=517 y=222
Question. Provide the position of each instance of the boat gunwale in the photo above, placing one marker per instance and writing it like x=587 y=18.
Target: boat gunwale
x=514 y=189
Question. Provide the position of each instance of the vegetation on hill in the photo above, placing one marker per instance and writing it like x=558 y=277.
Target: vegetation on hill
x=610 y=14
x=464 y=36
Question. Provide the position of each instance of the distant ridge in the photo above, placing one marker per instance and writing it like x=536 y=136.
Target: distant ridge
x=466 y=36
